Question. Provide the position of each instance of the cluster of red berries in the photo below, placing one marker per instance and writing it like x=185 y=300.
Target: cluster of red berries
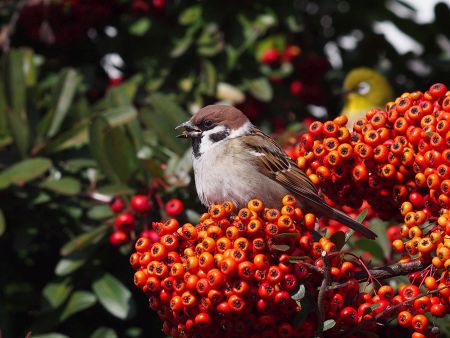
x=136 y=217
x=241 y=276
x=392 y=156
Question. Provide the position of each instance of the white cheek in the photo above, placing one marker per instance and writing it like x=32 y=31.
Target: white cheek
x=207 y=144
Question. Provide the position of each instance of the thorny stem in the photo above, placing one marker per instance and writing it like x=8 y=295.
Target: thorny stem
x=321 y=295
x=391 y=309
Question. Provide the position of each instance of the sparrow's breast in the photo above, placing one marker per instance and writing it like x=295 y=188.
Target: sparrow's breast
x=226 y=173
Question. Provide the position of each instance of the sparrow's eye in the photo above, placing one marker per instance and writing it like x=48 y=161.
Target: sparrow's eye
x=206 y=124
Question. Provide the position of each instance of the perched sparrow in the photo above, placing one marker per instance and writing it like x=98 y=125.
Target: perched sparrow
x=235 y=161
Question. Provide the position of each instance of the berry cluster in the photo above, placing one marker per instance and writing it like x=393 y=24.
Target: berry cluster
x=392 y=156
x=250 y=275
x=136 y=217
x=225 y=276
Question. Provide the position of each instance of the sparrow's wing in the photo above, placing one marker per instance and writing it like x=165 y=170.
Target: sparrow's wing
x=273 y=162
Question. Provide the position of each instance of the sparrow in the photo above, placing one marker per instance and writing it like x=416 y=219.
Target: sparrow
x=364 y=88
x=235 y=161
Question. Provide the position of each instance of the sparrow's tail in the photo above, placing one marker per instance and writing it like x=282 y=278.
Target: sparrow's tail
x=351 y=223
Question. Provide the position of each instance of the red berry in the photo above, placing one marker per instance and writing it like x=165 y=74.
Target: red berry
x=124 y=221
x=296 y=87
x=348 y=315
x=151 y=235
x=174 y=207
x=393 y=233
x=117 y=205
x=140 y=203
x=270 y=56
x=118 y=237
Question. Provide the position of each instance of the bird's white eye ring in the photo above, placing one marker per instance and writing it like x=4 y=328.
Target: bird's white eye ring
x=363 y=88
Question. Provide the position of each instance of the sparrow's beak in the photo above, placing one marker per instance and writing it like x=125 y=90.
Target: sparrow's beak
x=190 y=131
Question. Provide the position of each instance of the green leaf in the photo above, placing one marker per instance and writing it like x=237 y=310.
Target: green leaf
x=84 y=240
x=99 y=212
x=115 y=190
x=79 y=301
x=50 y=335
x=349 y=234
x=24 y=171
x=209 y=78
x=2 y=223
x=113 y=295
x=98 y=130
x=65 y=93
x=370 y=246
x=261 y=89
x=190 y=15
x=287 y=235
x=297 y=259
x=65 y=186
x=161 y=118
x=328 y=324
x=338 y=238
x=104 y=332
x=362 y=216
x=280 y=247
x=73 y=262
x=140 y=26
x=121 y=154
x=56 y=293
x=16 y=97
x=430 y=134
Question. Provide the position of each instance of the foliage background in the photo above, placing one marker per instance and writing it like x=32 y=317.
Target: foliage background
x=90 y=92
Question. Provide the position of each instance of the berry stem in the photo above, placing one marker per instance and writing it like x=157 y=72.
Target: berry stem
x=321 y=295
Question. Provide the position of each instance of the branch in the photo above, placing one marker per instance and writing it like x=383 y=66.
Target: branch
x=8 y=29
x=393 y=270
x=321 y=295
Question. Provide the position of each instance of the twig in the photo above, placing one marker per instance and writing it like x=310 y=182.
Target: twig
x=391 y=309
x=8 y=29
x=321 y=295
x=393 y=270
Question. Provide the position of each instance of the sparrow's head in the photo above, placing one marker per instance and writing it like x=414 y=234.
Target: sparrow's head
x=213 y=124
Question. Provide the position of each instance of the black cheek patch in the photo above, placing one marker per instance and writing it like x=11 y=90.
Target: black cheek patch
x=196 y=147
x=219 y=136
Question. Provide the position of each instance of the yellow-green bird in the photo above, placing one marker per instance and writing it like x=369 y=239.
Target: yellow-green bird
x=364 y=89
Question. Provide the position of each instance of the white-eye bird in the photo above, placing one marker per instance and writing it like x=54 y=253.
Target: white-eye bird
x=364 y=88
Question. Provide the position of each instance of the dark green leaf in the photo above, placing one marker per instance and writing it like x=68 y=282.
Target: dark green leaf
x=50 y=335
x=24 y=171
x=430 y=134
x=99 y=212
x=338 y=238
x=79 y=301
x=121 y=154
x=362 y=216
x=297 y=259
x=77 y=164
x=261 y=89
x=373 y=247
x=63 y=98
x=115 y=190
x=16 y=97
x=280 y=247
x=287 y=235
x=349 y=234
x=316 y=235
x=65 y=186
x=2 y=223
x=113 y=295
x=104 y=332
x=98 y=133
x=56 y=293
x=190 y=15
x=73 y=262
x=140 y=26
x=83 y=240
x=209 y=78
x=329 y=324
x=371 y=308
